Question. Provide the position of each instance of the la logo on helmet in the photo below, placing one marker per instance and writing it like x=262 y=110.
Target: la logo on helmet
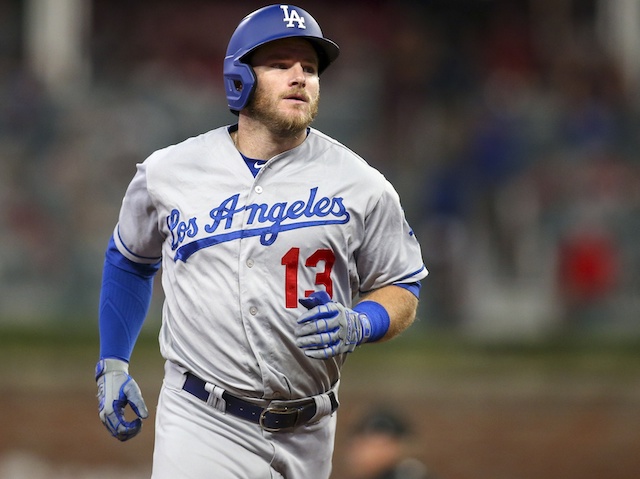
x=292 y=17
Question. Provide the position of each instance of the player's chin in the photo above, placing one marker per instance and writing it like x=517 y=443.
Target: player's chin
x=295 y=110
x=296 y=120
x=299 y=109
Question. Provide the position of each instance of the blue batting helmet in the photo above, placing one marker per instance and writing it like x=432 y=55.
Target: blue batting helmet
x=262 y=26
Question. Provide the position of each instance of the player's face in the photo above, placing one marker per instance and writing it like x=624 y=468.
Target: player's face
x=287 y=88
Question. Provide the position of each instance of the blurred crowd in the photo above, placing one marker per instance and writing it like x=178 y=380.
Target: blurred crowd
x=508 y=128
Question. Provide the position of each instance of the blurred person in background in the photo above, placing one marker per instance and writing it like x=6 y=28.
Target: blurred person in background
x=378 y=448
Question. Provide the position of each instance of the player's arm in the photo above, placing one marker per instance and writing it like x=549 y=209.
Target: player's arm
x=125 y=297
x=400 y=303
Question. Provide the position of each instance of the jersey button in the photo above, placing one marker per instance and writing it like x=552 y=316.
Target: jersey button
x=253 y=310
x=258 y=189
x=250 y=263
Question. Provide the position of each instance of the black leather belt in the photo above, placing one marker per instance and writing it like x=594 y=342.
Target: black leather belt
x=270 y=418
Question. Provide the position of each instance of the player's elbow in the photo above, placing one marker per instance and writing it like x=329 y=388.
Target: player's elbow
x=404 y=316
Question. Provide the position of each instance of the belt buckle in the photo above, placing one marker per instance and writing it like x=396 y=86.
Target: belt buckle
x=282 y=410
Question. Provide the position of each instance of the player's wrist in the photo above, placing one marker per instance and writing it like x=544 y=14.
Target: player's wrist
x=377 y=317
x=106 y=365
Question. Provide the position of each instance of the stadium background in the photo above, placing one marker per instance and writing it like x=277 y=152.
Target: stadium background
x=511 y=130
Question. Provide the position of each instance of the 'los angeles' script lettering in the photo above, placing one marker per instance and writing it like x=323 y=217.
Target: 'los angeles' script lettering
x=264 y=220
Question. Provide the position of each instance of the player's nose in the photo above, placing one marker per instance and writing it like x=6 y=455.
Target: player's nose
x=297 y=75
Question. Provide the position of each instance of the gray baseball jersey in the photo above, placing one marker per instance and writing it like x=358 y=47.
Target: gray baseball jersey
x=237 y=252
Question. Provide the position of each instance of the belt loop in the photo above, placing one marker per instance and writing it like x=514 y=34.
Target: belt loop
x=215 y=397
x=174 y=375
x=323 y=407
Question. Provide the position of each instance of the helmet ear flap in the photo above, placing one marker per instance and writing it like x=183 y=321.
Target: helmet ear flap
x=239 y=83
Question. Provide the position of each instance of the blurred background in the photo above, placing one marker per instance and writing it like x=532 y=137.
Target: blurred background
x=511 y=130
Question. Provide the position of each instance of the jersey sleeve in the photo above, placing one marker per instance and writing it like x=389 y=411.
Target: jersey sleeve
x=137 y=235
x=390 y=252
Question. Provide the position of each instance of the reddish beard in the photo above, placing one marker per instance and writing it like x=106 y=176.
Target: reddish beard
x=264 y=108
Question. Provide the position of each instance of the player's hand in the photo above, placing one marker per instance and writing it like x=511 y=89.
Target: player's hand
x=329 y=328
x=116 y=389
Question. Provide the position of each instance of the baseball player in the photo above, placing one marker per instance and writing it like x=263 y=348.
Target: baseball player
x=281 y=250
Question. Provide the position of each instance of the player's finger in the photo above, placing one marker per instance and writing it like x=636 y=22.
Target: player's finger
x=315 y=299
x=127 y=430
x=319 y=312
x=314 y=341
x=319 y=326
x=313 y=327
x=324 y=353
x=121 y=428
x=134 y=397
x=111 y=422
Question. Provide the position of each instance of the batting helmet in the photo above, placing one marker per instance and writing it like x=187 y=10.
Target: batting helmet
x=262 y=26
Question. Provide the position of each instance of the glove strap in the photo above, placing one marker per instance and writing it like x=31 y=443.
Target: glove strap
x=111 y=364
x=377 y=317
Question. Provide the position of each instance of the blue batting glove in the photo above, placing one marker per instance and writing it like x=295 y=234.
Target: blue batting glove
x=116 y=389
x=329 y=328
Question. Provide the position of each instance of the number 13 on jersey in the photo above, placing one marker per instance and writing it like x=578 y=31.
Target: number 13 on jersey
x=322 y=260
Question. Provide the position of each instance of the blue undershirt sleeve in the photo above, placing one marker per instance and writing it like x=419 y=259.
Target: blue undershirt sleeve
x=412 y=287
x=125 y=298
